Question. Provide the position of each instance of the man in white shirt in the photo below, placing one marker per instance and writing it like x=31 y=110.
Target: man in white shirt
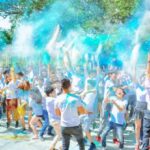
x=68 y=106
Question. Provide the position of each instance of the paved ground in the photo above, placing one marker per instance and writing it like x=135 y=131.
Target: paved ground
x=14 y=139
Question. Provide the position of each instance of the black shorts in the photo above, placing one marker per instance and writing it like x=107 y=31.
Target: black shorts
x=139 y=110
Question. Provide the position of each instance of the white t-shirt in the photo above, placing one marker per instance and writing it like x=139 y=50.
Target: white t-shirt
x=68 y=105
x=90 y=101
x=116 y=115
x=140 y=94
x=50 y=104
x=11 y=91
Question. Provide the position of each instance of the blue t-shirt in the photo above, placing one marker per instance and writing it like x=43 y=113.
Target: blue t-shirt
x=36 y=108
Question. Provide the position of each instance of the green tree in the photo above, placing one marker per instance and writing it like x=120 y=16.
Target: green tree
x=94 y=16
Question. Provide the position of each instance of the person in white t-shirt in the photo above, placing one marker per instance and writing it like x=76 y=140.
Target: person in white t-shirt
x=68 y=106
x=117 y=117
x=53 y=118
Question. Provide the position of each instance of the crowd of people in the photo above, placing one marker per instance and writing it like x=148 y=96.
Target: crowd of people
x=70 y=103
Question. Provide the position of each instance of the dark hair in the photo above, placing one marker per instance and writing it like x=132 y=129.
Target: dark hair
x=49 y=90
x=20 y=74
x=122 y=90
x=65 y=83
x=6 y=71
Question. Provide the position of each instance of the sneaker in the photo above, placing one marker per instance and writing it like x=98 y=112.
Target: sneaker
x=92 y=146
x=17 y=124
x=50 y=129
x=50 y=133
x=41 y=138
x=23 y=129
x=99 y=139
x=115 y=141
x=85 y=140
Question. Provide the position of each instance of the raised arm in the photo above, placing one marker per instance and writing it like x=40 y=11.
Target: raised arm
x=120 y=107
x=69 y=64
x=52 y=43
x=12 y=74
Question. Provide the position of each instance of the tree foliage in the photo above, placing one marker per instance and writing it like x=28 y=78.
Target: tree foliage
x=92 y=15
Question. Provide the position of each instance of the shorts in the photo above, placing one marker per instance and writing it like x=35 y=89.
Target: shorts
x=22 y=109
x=138 y=114
x=54 y=122
x=11 y=104
x=139 y=110
x=86 y=121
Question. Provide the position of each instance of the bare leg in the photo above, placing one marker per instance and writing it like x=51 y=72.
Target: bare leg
x=137 y=130
x=29 y=117
x=33 y=122
x=22 y=122
x=88 y=134
x=57 y=129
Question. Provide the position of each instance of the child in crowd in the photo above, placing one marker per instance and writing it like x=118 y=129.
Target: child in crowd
x=37 y=109
x=117 y=117
x=106 y=107
x=54 y=120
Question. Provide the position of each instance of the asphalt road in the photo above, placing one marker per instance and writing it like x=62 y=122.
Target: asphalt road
x=14 y=139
